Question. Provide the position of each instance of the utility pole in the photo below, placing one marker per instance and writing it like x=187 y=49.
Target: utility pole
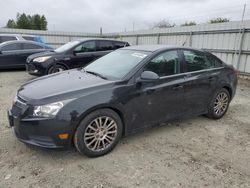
x=100 y=30
x=133 y=26
x=243 y=13
x=241 y=36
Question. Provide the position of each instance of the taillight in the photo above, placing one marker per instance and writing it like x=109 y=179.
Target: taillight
x=237 y=72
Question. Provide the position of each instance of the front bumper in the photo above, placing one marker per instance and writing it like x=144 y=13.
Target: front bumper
x=35 y=69
x=41 y=132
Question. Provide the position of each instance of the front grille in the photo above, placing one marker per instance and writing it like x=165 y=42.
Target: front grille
x=21 y=101
x=16 y=111
x=28 y=60
x=19 y=107
x=31 y=67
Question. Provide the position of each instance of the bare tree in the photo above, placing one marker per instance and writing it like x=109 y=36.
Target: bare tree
x=190 y=23
x=219 y=20
x=163 y=24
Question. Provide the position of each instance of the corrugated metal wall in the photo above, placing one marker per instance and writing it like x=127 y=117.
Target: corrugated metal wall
x=229 y=41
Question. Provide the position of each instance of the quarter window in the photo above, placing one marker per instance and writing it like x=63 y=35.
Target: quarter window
x=165 y=64
x=86 y=47
x=105 y=45
x=196 y=61
x=29 y=38
x=119 y=44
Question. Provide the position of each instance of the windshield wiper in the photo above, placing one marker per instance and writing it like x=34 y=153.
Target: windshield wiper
x=97 y=74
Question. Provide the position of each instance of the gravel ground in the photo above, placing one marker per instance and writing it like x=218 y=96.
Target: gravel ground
x=196 y=152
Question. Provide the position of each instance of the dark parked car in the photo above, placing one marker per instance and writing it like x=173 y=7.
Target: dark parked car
x=74 y=54
x=13 y=54
x=9 y=37
x=123 y=92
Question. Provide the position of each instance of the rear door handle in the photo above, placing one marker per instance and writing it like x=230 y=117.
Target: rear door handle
x=211 y=78
x=178 y=87
x=67 y=59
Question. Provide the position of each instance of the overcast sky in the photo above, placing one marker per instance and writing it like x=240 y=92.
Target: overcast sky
x=118 y=15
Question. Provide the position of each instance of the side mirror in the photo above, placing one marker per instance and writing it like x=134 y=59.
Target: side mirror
x=74 y=52
x=148 y=76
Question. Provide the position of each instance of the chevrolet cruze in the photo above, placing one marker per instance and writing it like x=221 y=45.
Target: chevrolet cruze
x=126 y=91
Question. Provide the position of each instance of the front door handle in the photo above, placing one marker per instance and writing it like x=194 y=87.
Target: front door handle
x=149 y=91
x=178 y=87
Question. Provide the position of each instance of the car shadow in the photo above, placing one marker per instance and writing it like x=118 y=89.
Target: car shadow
x=132 y=139
x=13 y=70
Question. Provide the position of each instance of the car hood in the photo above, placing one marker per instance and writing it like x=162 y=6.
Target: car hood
x=60 y=86
x=42 y=54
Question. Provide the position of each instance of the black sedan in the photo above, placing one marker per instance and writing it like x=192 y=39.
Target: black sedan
x=73 y=54
x=123 y=92
x=13 y=54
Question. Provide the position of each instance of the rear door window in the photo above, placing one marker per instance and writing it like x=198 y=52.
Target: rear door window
x=7 y=38
x=12 y=47
x=214 y=61
x=27 y=46
x=89 y=46
x=105 y=46
x=196 y=61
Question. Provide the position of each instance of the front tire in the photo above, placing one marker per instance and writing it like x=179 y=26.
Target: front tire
x=56 y=68
x=98 y=133
x=219 y=104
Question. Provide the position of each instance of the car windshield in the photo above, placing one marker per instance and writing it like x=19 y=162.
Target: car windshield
x=67 y=46
x=116 y=64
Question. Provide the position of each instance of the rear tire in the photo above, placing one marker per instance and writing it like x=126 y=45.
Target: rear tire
x=56 y=68
x=219 y=104
x=98 y=133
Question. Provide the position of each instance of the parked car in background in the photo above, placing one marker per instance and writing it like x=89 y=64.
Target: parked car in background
x=9 y=37
x=34 y=38
x=13 y=54
x=123 y=92
x=74 y=54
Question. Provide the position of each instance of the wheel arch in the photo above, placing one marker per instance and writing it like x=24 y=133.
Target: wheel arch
x=57 y=63
x=113 y=108
x=229 y=89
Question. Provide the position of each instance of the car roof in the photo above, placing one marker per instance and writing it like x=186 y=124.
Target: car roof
x=15 y=34
x=19 y=41
x=156 y=47
x=107 y=39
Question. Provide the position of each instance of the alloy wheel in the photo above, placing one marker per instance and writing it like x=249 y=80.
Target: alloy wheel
x=100 y=133
x=57 y=70
x=221 y=103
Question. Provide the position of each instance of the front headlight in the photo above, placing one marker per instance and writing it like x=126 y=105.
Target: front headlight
x=48 y=110
x=41 y=59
